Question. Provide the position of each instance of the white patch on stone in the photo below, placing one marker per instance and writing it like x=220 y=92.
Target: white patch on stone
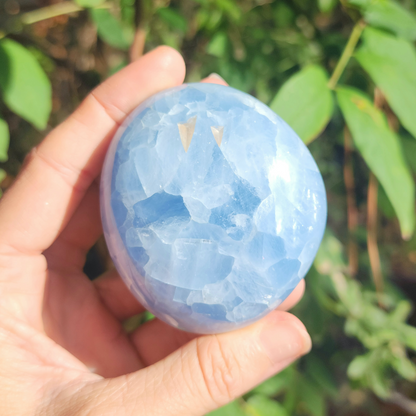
x=186 y=131
x=218 y=132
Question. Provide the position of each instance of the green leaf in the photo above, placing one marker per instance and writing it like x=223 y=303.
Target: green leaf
x=174 y=19
x=271 y=387
x=329 y=258
x=383 y=200
x=26 y=88
x=358 y=367
x=259 y=405
x=409 y=148
x=378 y=382
x=231 y=8
x=380 y=148
x=311 y=398
x=89 y=3
x=305 y=102
x=401 y=312
x=218 y=45
x=291 y=399
x=391 y=63
x=148 y=316
x=111 y=30
x=231 y=409
x=391 y=16
x=319 y=372
x=4 y=140
x=313 y=306
x=326 y=6
x=47 y=63
x=283 y=15
x=276 y=384
x=405 y=368
x=408 y=336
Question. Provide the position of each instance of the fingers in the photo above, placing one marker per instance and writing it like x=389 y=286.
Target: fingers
x=293 y=298
x=155 y=340
x=82 y=231
x=57 y=174
x=75 y=318
x=116 y=296
x=214 y=79
x=206 y=373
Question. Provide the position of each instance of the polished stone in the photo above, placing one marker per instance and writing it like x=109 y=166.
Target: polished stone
x=213 y=209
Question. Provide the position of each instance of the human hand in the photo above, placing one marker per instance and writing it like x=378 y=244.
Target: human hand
x=63 y=350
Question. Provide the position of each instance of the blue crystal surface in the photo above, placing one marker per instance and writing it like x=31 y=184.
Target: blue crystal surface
x=213 y=209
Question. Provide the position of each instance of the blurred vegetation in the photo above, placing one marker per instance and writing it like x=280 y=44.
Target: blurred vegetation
x=343 y=75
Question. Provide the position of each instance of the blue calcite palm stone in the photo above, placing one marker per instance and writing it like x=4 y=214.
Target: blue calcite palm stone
x=213 y=209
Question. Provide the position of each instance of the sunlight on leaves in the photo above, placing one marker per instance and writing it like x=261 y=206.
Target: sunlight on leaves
x=26 y=88
x=305 y=102
x=380 y=148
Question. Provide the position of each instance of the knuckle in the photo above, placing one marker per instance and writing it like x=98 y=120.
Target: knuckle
x=76 y=177
x=116 y=114
x=220 y=369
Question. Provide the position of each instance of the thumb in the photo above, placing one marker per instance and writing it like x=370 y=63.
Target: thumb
x=204 y=374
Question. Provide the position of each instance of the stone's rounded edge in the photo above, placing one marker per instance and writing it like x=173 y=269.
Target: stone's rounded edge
x=110 y=229
x=116 y=248
x=255 y=102
x=208 y=326
x=122 y=261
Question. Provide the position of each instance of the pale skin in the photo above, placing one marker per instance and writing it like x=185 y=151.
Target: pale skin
x=63 y=350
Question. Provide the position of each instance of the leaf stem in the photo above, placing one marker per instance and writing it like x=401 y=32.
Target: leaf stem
x=55 y=10
x=347 y=53
x=44 y=13
x=372 y=246
x=351 y=204
x=48 y=12
x=372 y=209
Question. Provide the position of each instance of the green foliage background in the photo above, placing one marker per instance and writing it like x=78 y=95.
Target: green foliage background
x=332 y=69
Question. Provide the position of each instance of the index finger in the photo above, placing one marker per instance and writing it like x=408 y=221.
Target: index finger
x=59 y=171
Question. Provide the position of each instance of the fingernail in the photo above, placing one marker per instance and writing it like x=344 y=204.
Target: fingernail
x=216 y=76
x=284 y=340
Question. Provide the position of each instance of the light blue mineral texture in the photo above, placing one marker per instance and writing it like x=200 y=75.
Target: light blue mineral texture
x=213 y=209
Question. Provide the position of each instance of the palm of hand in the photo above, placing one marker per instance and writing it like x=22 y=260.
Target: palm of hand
x=80 y=329
x=56 y=325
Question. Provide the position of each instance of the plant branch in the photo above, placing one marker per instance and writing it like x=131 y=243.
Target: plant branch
x=48 y=12
x=352 y=211
x=137 y=47
x=67 y=7
x=54 y=10
x=372 y=246
x=403 y=402
x=347 y=53
x=141 y=17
